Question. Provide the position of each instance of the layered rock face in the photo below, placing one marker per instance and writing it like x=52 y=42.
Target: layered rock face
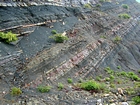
x=36 y=59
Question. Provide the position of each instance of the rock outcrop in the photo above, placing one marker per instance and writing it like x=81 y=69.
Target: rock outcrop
x=36 y=59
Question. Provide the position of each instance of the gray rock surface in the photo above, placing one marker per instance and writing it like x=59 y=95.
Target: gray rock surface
x=37 y=60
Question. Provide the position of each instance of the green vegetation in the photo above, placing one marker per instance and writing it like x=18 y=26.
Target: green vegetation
x=80 y=80
x=117 y=39
x=123 y=73
x=133 y=76
x=136 y=100
x=69 y=80
x=112 y=77
x=8 y=37
x=130 y=90
x=108 y=70
x=117 y=2
x=102 y=36
x=116 y=78
x=119 y=81
x=118 y=67
x=98 y=5
x=124 y=16
x=98 y=78
x=102 y=1
x=130 y=75
x=137 y=85
x=87 y=6
x=54 y=32
x=107 y=79
x=92 y=85
x=125 y=6
x=44 y=89
x=60 y=86
x=15 y=91
x=112 y=85
x=138 y=71
x=59 y=38
x=108 y=0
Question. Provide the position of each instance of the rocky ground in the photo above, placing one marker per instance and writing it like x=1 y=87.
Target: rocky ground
x=36 y=60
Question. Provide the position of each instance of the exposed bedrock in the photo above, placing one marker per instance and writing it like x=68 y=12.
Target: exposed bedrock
x=36 y=59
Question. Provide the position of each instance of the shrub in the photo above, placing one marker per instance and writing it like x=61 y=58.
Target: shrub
x=8 y=37
x=108 y=70
x=98 y=5
x=123 y=73
x=124 y=16
x=92 y=85
x=133 y=76
x=130 y=75
x=117 y=39
x=44 y=89
x=60 y=86
x=136 y=100
x=54 y=32
x=69 y=80
x=112 y=77
x=59 y=38
x=15 y=91
x=125 y=6
x=87 y=6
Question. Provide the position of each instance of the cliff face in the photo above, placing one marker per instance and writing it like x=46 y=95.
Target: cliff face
x=36 y=59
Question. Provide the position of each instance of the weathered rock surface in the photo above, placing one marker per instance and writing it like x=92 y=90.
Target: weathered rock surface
x=37 y=60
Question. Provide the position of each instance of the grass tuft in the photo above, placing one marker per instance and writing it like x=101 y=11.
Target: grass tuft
x=54 y=32
x=44 y=89
x=60 y=86
x=69 y=80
